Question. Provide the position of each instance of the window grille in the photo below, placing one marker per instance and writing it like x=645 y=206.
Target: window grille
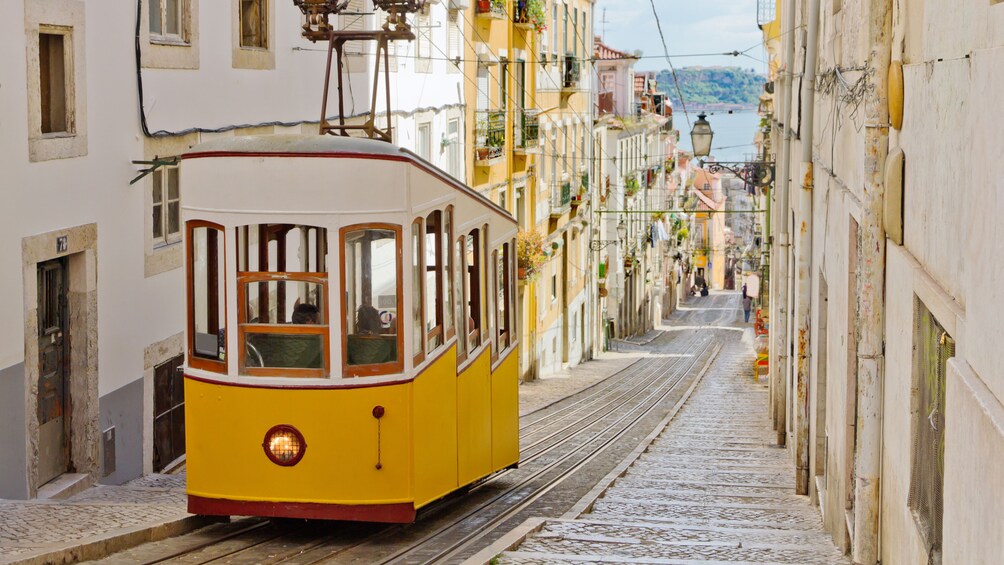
x=932 y=349
x=766 y=11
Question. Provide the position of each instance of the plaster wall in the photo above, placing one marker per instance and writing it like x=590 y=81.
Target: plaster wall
x=13 y=481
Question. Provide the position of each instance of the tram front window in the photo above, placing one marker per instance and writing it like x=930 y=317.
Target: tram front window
x=283 y=300
x=372 y=296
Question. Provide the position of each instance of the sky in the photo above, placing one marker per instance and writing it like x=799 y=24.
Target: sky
x=690 y=26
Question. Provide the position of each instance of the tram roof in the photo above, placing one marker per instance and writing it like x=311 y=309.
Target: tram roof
x=332 y=146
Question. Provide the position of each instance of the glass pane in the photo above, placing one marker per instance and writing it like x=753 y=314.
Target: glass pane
x=284 y=351
x=172 y=183
x=155 y=14
x=418 y=334
x=284 y=302
x=371 y=296
x=458 y=294
x=448 y=273
x=173 y=220
x=172 y=25
x=208 y=293
x=158 y=221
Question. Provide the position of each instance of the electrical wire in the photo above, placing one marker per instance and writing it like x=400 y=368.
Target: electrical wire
x=676 y=80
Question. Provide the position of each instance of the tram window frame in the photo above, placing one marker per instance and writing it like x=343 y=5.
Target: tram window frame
x=492 y=303
x=196 y=361
x=487 y=301
x=383 y=368
x=503 y=302
x=418 y=291
x=460 y=268
x=271 y=265
x=449 y=299
x=433 y=249
x=472 y=280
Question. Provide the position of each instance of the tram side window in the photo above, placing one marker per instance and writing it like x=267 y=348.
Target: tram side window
x=417 y=280
x=493 y=284
x=503 y=291
x=434 y=280
x=461 y=281
x=472 y=288
x=206 y=297
x=488 y=330
x=448 y=275
x=372 y=300
x=282 y=293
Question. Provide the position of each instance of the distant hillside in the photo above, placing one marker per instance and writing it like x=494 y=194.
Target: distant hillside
x=714 y=86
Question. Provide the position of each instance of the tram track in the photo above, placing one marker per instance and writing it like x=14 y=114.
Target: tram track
x=615 y=407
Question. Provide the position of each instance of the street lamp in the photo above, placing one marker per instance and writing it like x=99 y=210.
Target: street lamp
x=759 y=173
x=603 y=243
x=700 y=136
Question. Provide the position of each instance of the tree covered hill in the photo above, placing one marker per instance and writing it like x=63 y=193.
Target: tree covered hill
x=707 y=86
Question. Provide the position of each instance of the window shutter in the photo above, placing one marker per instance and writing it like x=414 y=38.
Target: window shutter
x=424 y=36
x=352 y=21
x=453 y=36
x=482 y=100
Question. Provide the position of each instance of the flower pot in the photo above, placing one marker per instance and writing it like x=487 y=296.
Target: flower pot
x=484 y=6
x=521 y=271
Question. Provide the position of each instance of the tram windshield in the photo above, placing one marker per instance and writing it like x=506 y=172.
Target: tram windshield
x=372 y=297
x=282 y=296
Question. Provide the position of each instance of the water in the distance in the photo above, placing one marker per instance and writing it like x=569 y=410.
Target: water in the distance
x=734 y=133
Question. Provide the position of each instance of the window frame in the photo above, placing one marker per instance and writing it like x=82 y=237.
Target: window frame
x=263 y=21
x=472 y=282
x=195 y=362
x=438 y=329
x=459 y=251
x=449 y=296
x=375 y=369
x=167 y=38
x=244 y=327
x=418 y=254
x=167 y=238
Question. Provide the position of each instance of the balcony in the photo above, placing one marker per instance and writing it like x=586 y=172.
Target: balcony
x=582 y=195
x=489 y=136
x=561 y=199
x=571 y=73
x=529 y=14
x=491 y=9
x=527 y=132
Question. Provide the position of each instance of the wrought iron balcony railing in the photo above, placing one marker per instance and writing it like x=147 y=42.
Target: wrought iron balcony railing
x=527 y=130
x=489 y=135
x=561 y=198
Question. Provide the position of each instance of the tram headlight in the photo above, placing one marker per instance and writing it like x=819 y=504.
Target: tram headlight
x=284 y=445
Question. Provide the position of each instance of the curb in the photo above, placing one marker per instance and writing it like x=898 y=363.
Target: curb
x=515 y=537
x=104 y=545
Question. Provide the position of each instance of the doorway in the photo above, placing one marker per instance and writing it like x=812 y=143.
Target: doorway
x=168 y=413
x=53 y=409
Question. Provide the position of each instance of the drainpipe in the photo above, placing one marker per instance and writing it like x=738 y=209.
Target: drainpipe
x=779 y=304
x=803 y=301
x=870 y=286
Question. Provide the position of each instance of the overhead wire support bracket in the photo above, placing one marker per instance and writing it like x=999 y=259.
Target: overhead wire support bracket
x=153 y=165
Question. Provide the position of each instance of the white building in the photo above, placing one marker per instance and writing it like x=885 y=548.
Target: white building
x=93 y=317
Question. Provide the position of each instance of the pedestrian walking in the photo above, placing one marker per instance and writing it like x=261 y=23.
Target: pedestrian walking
x=744 y=290
x=747 y=306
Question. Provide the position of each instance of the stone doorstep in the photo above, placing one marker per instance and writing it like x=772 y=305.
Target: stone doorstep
x=105 y=544
x=64 y=486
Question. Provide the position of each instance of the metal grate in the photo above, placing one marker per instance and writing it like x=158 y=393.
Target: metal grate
x=766 y=11
x=933 y=347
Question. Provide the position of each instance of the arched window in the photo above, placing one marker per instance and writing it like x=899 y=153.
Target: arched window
x=371 y=300
x=282 y=299
x=207 y=299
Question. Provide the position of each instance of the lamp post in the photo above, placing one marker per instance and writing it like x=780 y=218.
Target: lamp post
x=603 y=243
x=758 y=173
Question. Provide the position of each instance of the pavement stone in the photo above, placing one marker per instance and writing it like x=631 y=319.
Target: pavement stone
x=710 y=488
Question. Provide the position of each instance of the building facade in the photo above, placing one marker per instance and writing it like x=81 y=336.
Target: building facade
x=885 y=272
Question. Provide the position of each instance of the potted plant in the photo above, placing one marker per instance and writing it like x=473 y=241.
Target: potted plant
x=529 y=254
x=531 y=12
x=631 y=186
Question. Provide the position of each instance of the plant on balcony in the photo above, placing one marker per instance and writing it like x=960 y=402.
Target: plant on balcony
x=531 y=12
x=529 y=254
x=631 y=186
x=486 y=6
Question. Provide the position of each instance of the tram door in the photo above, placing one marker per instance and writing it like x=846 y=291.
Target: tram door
x=53 y=385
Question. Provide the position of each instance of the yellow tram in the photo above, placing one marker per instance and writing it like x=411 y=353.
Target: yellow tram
x=351 y=334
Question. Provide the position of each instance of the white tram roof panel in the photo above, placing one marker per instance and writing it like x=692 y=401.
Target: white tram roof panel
x=287 y=175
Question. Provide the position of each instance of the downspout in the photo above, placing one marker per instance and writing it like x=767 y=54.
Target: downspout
x=803 y=301
x=870 y=287
x=779 y=316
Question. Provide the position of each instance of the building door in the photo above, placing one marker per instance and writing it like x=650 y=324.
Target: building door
x=168 y=413
x=53 y=373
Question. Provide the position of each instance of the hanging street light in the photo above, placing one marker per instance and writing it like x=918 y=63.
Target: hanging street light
x=757 y=173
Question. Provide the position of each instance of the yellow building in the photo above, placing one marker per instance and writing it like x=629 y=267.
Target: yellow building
x=528 y=103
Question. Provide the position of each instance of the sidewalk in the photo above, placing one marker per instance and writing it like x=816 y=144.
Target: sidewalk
x=708 y=488
x=105 y=519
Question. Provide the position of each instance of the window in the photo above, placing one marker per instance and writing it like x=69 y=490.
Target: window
x=55 y=103
x=423 y=36
x=453 y=49
x=458 y=295
x=417 y=282
x=453 y=148
x=448 y=275
x=254 y=24
x=423 y=141
x=482 y=85
x=503 y=86
x=282 y=297
x=207 y=338
x=472 y=288
x=166 y=206
x=554 y=287
x=933 y=348
x=371 y=300
x=492 y=282
x=503 y=275
x=434 y=280
x=167 y=19
x=554 y=30
x=488 y=314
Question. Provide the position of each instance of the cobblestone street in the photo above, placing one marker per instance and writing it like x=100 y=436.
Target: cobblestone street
x=709 y=488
